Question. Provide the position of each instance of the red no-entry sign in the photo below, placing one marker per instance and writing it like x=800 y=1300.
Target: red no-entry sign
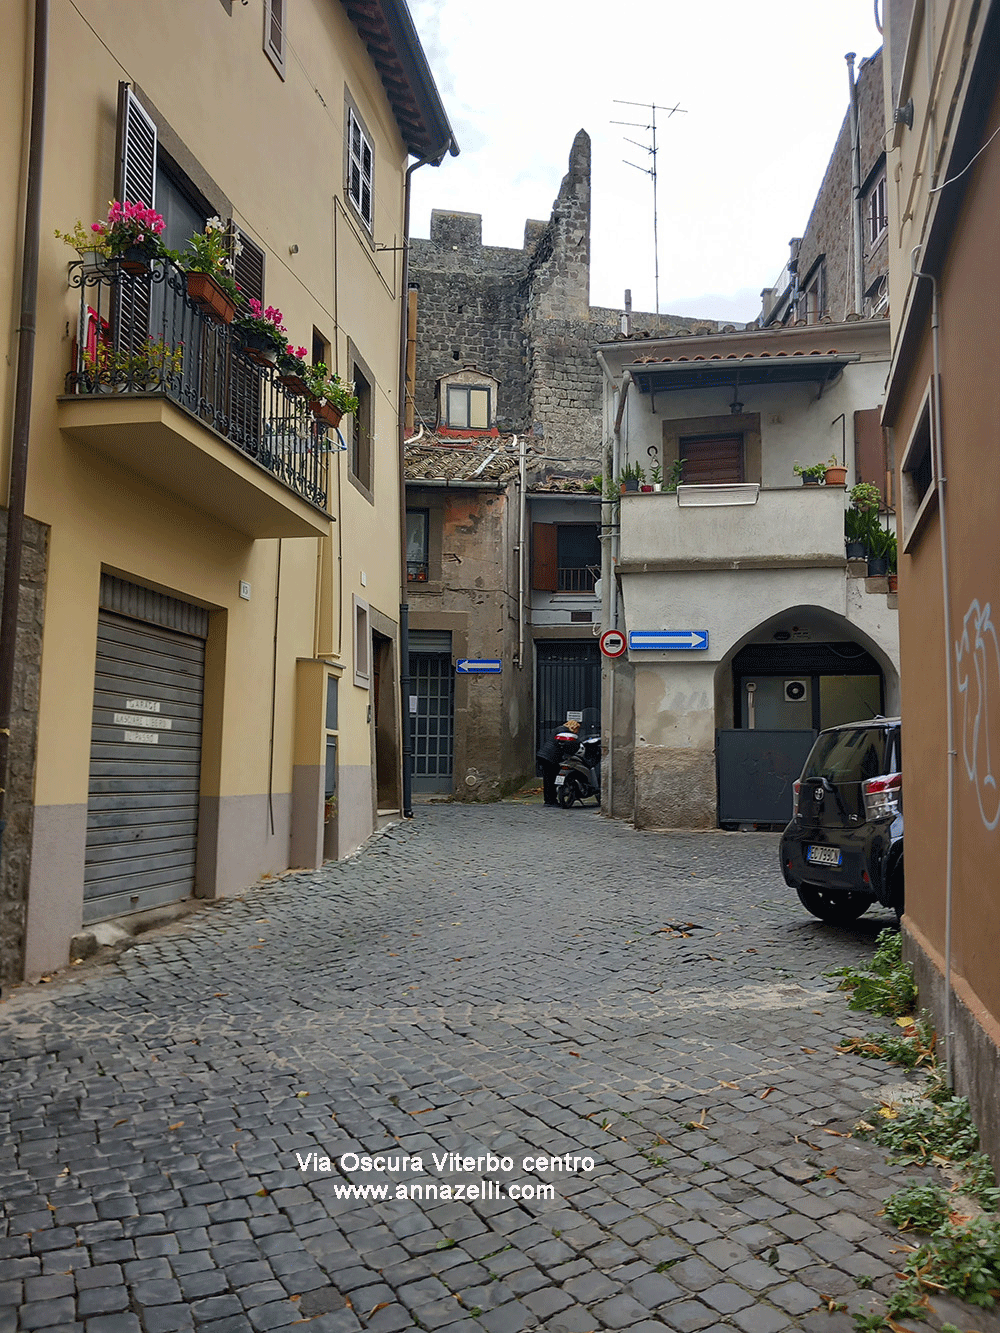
x=613 y=643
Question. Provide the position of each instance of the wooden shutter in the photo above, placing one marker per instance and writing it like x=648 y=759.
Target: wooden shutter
x=248 y=270
x=135 y=183
x=712 y=460
x=544 y=557
x=870 y=456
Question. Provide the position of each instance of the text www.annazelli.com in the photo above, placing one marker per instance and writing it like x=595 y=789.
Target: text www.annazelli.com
x=421 y=1190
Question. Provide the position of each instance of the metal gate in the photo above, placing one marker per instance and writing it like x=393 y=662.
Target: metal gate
x=567 y=680
x=432 y=683
x=145 y=756
x=756 y=772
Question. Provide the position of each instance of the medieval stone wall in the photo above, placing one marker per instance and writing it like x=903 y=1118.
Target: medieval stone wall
x=16 y=851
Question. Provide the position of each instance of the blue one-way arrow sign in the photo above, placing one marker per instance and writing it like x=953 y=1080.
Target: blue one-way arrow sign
x=467 y=666
x=660 y=639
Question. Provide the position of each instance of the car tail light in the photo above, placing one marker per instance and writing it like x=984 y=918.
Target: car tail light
x=881 y=795
x=796 y=788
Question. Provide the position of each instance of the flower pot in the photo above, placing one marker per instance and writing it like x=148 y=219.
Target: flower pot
x=210 y=298
x=657 y=487
x=630 y=485
x=136 y=259
x=264 y=356
x=878 y=566
x=293 y=383
x=893 y=582
x=646 y=490
x=856 y=550
x=324 y=411
x=810 y=481
x=836 y=476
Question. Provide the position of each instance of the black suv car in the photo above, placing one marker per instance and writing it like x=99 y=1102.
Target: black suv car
x=843 y=849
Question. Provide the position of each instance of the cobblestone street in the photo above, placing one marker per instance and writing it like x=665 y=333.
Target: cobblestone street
x=508 y=980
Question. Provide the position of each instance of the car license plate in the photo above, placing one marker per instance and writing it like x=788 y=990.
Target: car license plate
x=824 y=856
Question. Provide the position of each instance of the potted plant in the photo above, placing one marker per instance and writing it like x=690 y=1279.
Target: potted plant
x=208 y=263
x=90 y=245
x=675 y=476
x=835 y=473
x=811 y=474
x=631 y=477
x=261 y=332
x=131 y=235
x=329 y=396
x=861 y=519
x=145 y=368
x=656 y=476
x=880 y=549
x=292 y=368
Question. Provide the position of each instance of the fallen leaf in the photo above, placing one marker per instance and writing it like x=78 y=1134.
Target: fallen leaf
x=835 y=1132
x=724 y=1084
x=905 y=1022
x=50 y=1206
x=302 y=1094
x=219 y=994
x=123 y=1121
x=262 y=1194
x=807 y=1050
x=888 y=1112
x=177 y=1124
x=767 y=1092
x=296 y=1298
x=749 y=950
x=576 y=1053
x=382 y=1305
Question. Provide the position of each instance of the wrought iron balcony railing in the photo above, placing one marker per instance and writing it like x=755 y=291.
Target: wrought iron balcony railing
x=140 y=333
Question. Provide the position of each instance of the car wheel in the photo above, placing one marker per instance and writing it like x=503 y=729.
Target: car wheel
x=568 y=793
x=837 y=908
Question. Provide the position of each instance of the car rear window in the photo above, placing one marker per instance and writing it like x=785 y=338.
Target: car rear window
x=848 y=756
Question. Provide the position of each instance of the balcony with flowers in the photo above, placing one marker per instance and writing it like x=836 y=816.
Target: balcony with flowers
x=178 y=379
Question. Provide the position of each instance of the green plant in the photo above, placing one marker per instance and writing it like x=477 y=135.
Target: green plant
x=922 y=1131
x=327 y=387
x=882 y=544
x=84 y=240
x=130 y=226
x=656 y=473
x=962 y=1257
x=979 y=1181
x=595 y=486
x=212 y=251
x=918 y=1207
x=865 y=496
x=813 y=470
x=911 y=1048
x=675 y=476
x=263 y=324
x=149 y=365
x=631 y=472
x=886 y=986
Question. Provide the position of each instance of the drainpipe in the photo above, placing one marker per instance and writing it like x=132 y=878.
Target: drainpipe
x=940 y=486
x=522 y=471
x=21 y=426
x=609 y=553
x=406 y=735
x=859 y=260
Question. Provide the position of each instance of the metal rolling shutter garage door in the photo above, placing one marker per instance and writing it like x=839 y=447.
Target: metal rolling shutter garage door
x=145 y=756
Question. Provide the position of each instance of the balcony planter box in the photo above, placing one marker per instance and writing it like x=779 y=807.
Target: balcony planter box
x=836 y=476
x=728 y=493
x=293 y=383
x=325 y=412
x=137 y=259
x=258 y=347
x=209 y=297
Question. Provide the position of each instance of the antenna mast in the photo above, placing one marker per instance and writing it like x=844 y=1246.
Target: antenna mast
x=649 y=171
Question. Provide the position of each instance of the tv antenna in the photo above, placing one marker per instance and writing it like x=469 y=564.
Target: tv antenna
x=650 y=171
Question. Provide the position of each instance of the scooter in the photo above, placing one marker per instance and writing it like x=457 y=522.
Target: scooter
x=580 y=774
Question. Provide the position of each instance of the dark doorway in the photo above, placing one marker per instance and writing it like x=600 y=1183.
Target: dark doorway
x=567 y=681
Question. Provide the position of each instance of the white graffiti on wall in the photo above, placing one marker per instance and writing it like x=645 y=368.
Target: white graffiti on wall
x=979 y=645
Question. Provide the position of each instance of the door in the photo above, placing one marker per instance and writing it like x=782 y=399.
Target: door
x=145 y=756
x=567 y=681
x=432 y=684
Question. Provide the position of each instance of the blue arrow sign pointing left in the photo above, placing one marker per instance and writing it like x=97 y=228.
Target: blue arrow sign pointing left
x=490 y=666
x=663 y=639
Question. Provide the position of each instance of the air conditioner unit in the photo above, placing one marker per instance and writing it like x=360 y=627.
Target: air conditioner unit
x=796 y=691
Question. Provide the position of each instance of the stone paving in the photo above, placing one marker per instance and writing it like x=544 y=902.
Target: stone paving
x=504 y=980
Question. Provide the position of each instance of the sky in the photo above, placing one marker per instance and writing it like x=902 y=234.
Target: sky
x=762 y=89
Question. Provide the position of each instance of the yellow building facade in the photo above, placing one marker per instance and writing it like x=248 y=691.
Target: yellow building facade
x=217 y=655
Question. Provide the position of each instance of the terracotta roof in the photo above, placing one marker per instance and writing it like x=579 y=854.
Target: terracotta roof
x=431 y=458
x=737 y=356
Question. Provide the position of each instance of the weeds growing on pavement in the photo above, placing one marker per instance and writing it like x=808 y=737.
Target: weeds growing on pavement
x=924 y=1131
x=918 y=1207
x=886 y=985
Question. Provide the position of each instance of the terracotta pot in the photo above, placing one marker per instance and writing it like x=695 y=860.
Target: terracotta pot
x=836 y=476
x=293 y=383
x=135 y=260
x=893 y=582
x=210 y=298
x=264 y=356
x=325 y=412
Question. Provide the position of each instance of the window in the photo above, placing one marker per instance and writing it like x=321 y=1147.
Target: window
x=361 y=435
x=918 y=492
x=877 y=218
x=416 y=545
x=712 y=460
x=359 y=168
x=362 y=644
x=468 y=407
x=274 y=34
x=566 y=557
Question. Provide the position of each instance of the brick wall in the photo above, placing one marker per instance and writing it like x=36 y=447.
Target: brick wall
x=19 y=802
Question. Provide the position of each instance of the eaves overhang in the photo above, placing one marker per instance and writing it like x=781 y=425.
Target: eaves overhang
x=387 y=30
x=738 y=372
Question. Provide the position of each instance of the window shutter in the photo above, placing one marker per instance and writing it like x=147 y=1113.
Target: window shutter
x=135 y=176
x=870 y=457
x=544 y=557
x=712 y=460
x=248 y=265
